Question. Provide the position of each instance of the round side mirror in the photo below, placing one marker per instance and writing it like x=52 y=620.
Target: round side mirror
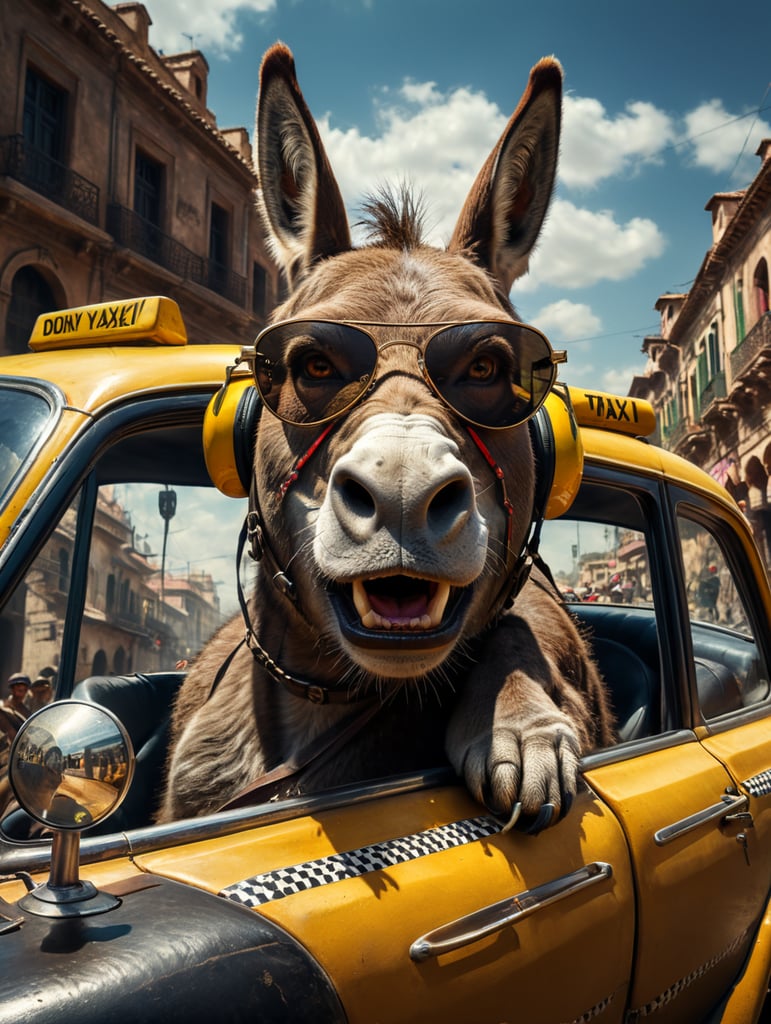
x=70 y=766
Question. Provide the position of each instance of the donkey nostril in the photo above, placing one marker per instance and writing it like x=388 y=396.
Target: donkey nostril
x=449 y=507
x=357 y=499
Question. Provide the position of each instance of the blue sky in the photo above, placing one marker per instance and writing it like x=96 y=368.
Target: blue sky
x=661 y=111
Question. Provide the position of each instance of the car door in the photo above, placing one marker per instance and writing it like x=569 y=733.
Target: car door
x=728 y=657
x=419 y=908
x=698 y=899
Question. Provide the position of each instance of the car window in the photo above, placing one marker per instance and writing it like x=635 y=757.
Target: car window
x=600 y=562
x=23 y=416
x=161 y=576
x=600 y=557
x=135 y=575
x=154 y=595
x=727 y=662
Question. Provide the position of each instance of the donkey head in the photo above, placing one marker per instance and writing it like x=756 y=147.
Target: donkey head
x=393 y=467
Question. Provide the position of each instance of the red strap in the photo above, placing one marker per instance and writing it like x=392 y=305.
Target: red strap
x=304 y=458
x=508 y=507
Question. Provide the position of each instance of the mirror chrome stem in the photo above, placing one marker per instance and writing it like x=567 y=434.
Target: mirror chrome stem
x=65 y=855
x=64 y=894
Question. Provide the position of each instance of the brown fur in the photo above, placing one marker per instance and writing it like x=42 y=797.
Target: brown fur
x=515 y=699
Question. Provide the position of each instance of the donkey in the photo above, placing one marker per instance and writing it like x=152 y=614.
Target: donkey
x=393 y=626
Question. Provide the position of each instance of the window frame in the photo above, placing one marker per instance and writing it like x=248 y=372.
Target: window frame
x=724 y=528
x=73 y=473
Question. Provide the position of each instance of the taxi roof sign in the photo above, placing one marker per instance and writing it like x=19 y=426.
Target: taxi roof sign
x=622 y=413
x=125 y=321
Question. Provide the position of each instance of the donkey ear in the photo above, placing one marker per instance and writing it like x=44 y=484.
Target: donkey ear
x=299 y=196
x=504 y=211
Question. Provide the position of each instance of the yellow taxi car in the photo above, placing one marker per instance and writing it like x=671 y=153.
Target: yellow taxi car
x=400 y=900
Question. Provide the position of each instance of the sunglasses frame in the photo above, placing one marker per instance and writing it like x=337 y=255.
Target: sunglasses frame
x=555 y=357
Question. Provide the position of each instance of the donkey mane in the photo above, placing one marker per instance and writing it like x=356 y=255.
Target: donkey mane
x=394 y=218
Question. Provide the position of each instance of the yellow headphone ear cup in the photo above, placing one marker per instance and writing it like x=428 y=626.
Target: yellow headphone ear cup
x=229 y=427
x=559 y=454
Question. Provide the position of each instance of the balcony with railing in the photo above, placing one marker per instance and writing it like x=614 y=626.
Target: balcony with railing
x=674 y=433
x=714 y=391
x=48 y=177
x=754 y=349
x=143 y=237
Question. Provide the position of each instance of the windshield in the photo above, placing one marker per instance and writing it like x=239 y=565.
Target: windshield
x=23 y=417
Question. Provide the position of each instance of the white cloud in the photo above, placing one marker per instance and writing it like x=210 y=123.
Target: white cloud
x=715 y=138
x=212 y=26
x=580 y=247
x=436 y=141
x=596 y=146
x=618 y=380
x=565 y=321
x=439 y=142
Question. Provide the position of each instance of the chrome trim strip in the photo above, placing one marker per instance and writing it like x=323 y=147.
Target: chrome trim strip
x=728 y=803
x=471 y=927
x=36 y=856
x=630 y=749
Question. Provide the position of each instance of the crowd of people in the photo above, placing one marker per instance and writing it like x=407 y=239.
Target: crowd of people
x=620 y=589
x=25 y=696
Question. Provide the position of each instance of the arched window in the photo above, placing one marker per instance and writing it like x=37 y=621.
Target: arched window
x=119 y=661
x=110 y=597
x=760 y=284
x=99 y=664
x=31 y=295
x=713 y=349
x=702 y=371
x=739 y=310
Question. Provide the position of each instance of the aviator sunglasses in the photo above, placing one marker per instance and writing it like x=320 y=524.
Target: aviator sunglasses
x=492 y=373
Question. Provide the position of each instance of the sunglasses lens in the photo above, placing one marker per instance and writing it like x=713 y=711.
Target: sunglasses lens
x=308 y=372
x=493 y=374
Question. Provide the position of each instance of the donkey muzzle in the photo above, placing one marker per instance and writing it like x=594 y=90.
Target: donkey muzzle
x=400 y=536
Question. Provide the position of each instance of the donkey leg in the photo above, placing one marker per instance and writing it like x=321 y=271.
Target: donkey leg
x=517 y=734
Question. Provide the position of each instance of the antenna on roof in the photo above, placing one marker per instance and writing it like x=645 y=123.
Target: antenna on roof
x=190 y=38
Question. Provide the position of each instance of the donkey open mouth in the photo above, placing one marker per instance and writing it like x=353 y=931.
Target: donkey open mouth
x=409 y=611
x=400 y=602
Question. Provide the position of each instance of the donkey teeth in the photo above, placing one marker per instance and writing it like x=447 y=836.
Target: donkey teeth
x=429 y=620
x=371 y=620
x=437 y=605
x=361 y=603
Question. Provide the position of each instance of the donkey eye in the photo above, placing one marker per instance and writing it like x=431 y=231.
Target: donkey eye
x=483 y=369
x=316 y=366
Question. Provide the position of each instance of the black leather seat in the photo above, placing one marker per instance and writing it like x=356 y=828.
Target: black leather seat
x=719 y=690
x=624 y=642
x=143 y=704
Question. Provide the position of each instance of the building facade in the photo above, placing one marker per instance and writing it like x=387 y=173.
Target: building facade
x=709 y=369
x=115 y=180
x=136 y=616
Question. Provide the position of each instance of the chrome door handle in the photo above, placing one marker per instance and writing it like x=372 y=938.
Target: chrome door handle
x=729 y=803
x=465 y=930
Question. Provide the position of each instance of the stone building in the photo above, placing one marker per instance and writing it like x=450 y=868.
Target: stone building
x=115 y=179
x=709 y=369
x=135 y=616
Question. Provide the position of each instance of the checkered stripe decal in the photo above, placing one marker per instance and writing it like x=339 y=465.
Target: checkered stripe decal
x=759 y=785
x=275 y=885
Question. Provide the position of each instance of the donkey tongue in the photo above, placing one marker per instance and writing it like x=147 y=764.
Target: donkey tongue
x=415 y=611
